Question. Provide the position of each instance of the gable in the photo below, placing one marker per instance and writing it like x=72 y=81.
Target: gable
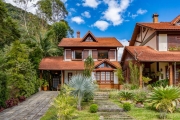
x=89 y=37
x=105 y=64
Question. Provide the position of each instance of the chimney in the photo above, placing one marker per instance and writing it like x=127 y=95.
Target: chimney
x=78 y=34
x=155 y=18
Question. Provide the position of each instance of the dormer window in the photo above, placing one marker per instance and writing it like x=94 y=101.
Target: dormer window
x=178 y=23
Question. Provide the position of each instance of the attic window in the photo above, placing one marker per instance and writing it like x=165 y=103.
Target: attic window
x=178 y=23
x=89 y=39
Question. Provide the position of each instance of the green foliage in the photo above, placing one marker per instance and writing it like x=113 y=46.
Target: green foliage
x=140 y=95
x=126 y=106
x=164 y=99
x=8 y=29
x=81 y=85
x=119 y=74
x=126 y=95
x=134 y=74
x=89 y=66
x=45 y=83
x=53 y=11
x=87 y=97
x=146 y=79
x=159 y=83
x=93 y=108
x=114 y=94
x=22 y=79
x=64 y=104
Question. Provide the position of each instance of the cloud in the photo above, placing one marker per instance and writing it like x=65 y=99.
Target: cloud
x=86 y=14
x=138 y=12
x=102 y=25
x=115 y=10
x=120 y=50
x=78 y=4
x=141 y=11
x=91 y=3
x=77 y=19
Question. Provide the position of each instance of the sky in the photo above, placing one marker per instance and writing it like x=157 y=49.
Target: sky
x=115 y=18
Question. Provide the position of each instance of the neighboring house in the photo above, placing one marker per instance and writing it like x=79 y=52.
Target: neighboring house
x=156 y=46
x=104 y=51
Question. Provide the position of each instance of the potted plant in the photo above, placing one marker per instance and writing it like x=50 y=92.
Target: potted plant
x=119 y=74
x=45 y=85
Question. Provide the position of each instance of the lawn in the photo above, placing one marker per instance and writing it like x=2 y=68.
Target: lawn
x=147 y=113
x=84 y=114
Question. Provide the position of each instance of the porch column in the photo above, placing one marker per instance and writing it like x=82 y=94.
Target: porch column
x=140 y=76
x=41 y=74
x=170 y=74
x=62 y=77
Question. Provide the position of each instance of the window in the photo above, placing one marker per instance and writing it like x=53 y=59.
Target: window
x=89 y=39
x=78 y=54
x=103 y=54
x=105 y=77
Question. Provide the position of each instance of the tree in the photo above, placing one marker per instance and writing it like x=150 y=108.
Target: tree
x=119 y=74
x=81 y=85
x=8 y=29
x=89 y=66
x=21 y=74
x=52 y=10
x=134 y=73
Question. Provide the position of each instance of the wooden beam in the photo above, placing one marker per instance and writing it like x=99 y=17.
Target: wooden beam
x=170 y=74
x=140 y=76
x=62 y=77
x=148 y=39
x=41 y=74
x=145 y=34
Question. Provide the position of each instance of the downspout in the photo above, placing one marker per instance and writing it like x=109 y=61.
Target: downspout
x=175 y=73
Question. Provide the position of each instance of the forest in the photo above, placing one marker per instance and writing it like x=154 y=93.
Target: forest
x=25 y=39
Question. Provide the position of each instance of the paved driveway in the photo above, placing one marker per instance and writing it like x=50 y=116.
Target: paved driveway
x=31 y=109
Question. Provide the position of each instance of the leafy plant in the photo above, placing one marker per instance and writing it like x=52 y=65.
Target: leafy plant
x=89 y=66
x=126 y=106
x=164 y=99
x=126 y=95
x=93 y=108
x=134 y=73
x=114 y=94
x=159 y=83
x=45 y=83
x=81 y=85
x=119 y=74
x=140 y=96
x=146 y=79
x=64 y=104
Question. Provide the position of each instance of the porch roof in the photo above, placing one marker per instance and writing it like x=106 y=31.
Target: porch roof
x=57 y=63
x=148 y=54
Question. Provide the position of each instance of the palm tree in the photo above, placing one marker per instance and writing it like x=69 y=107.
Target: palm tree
x=81 y=85
x=46 y=46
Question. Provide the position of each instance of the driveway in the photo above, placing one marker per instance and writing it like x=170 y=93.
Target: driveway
x=32 y=109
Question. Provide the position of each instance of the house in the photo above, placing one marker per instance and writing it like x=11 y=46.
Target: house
x=155 y=48
x=104 y=51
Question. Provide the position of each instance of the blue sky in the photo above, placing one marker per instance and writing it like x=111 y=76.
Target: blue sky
x=115 y=18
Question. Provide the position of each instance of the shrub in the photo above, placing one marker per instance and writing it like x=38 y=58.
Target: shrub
x=126 y=95
x=126 y=106
x=11 y=102
x=87 y=97
x=140 y=96
x=93 y=108
x=114 y=94
x=159 y=83
x=164 y=99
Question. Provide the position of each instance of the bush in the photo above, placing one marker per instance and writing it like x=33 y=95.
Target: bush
x=159 y=83
x=140 y=96
x=165 y=99
x=126 y=106
x=87 y=97
x=93 y=108
x=114 y=94
x=126 y=95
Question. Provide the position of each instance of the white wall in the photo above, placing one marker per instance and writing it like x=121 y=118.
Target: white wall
x=162 y=42
x=73 y=73
x=115 y=78
x=162 y=66
x=152 y=43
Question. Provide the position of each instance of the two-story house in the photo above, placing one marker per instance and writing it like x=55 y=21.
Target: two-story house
x=104 y=51
x=155 y=47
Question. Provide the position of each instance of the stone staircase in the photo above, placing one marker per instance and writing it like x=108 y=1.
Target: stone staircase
x=107 y=109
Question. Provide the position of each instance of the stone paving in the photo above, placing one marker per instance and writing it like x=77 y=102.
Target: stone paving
x=107 y=109
x=32 y=109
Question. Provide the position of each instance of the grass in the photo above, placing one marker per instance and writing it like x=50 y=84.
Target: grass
x=147 y=113
x=84 y=114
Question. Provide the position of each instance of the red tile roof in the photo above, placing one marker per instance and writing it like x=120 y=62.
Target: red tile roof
x=147 y=54
x=57 y=63
x=101 y=42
